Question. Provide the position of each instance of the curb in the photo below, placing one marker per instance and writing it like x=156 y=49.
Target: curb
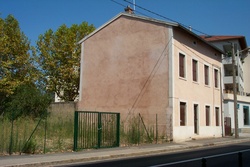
x=138 y=152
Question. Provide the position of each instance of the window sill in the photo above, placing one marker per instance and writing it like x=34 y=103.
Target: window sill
x=185 y=79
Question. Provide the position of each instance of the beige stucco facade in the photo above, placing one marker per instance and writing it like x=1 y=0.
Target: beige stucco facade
x=195 y=93
x=130 y=66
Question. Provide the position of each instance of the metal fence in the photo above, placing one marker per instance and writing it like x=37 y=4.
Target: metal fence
x=96 y=130
x=51 y=133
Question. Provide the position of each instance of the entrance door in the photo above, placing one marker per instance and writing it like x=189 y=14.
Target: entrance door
x=246 y=115
x=196 y=121
x=228 y=126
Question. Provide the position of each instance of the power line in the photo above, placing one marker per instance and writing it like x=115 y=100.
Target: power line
x=126 y=6
x=157 y=14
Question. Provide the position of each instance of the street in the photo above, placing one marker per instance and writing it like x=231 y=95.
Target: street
x=214 y=156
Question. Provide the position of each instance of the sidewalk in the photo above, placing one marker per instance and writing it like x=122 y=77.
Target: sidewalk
x=121 y=152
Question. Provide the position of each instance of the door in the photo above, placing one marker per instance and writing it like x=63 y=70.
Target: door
x=196 y=121
x=228 y=126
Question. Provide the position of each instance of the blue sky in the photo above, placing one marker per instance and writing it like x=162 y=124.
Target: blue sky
x=213 y=17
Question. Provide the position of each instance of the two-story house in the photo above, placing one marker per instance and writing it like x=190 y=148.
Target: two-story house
x=138 y=65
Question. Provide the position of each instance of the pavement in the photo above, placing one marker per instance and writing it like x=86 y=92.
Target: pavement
x=112 y=153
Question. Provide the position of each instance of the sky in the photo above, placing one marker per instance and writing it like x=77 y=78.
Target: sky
x=212 y=17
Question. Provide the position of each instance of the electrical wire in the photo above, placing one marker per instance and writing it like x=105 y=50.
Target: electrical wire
x=150 y=77
x=126 y=6
x=171 y=20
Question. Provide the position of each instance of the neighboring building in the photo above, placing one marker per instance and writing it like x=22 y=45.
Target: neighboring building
x=138 y=65
x=242 y=64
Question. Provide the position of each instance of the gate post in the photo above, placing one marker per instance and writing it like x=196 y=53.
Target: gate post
x=118 y=130
x=99 y=130
x=75 y=131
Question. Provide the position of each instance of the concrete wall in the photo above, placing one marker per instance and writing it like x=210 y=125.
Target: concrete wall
x=246 y=73
x=125 y=70
x=62 y=108
x=190 y=92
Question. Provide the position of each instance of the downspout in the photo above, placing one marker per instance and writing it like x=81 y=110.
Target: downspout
x=222 y=102
x=170 y=108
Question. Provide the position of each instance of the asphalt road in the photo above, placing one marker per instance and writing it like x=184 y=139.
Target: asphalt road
x=227 y=156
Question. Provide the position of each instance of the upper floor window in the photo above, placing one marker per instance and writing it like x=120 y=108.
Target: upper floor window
x=195 y=70
x=216 y=80
x=206 y=74
x=182 y=65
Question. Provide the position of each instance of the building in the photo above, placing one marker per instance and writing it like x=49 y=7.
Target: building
x=242 y=64
x=160 y=70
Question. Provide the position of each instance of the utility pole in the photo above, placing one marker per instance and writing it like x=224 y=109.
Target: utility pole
x=235 y=95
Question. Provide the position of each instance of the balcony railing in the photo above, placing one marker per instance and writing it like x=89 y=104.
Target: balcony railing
x=230 y=91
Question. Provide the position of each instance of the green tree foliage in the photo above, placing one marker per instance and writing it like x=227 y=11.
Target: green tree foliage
x=16 y=65
x=27 y=100
x=59 y=58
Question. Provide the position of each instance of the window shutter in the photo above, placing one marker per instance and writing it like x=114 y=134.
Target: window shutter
x=181 y=65
x=182 y=114
x=207 y=115
x=194 y=70
x=206 y=74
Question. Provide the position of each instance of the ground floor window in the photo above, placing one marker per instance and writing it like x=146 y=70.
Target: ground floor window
x=207 y=115
x=217 y=116
x=246 y=115
x=182 y=113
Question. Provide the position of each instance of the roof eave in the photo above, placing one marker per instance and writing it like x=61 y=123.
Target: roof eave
x=129 y=15
x=200 y=38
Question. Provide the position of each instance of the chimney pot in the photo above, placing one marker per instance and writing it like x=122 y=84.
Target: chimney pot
x=129 y=10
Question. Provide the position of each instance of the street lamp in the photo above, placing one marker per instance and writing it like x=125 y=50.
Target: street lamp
x=235 y=90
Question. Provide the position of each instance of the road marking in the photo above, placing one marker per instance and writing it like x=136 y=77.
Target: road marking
x=196 y=159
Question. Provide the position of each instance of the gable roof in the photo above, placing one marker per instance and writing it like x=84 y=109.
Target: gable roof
x=174 y=24
x=217 y=38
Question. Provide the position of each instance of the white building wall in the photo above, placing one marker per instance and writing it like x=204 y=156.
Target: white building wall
x=246 y=74
x=229 y=110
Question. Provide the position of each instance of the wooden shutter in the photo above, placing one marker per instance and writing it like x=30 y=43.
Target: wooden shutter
x=194 y=70
x=181 y=65
x=206 y=69
x=207 y=115
x=182 y=114
x=217 y=116
x=216 y=78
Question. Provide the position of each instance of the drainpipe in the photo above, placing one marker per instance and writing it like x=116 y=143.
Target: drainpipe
x=222 y=102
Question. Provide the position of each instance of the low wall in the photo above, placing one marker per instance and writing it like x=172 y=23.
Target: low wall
x=62 y=107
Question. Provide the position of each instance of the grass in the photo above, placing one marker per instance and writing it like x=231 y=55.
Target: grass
x=59 y=134
x=28 y=135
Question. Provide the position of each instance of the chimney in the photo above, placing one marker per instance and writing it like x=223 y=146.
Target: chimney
x=129 y=10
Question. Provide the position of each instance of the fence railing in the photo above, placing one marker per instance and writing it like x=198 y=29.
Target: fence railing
x=53 y=133
x=96 y=130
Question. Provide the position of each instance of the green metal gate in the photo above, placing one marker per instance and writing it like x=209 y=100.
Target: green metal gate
x=96 y=130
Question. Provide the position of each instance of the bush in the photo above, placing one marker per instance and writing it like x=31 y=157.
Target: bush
x=27 y=100
x=30 y=147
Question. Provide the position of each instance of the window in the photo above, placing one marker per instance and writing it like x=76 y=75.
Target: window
x=216 y=81
x=246 y=115
x=217 y=116
x=182 y=113
x=206 y=74
x=207 y=115
x=181 y=65
x=195 y=70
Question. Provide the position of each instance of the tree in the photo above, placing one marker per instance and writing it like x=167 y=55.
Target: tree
x=59 y=58
x=16 y=65
x=27 y=100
